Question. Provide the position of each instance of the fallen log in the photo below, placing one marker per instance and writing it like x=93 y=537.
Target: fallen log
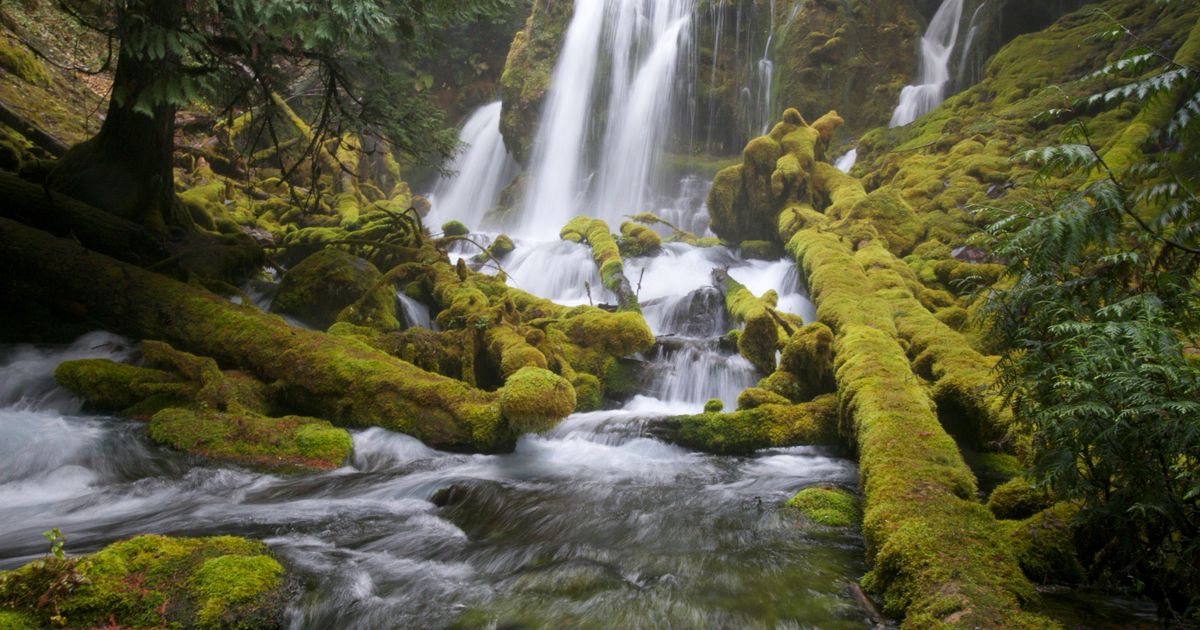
x=340 y=379
x=61 y=215
x=39 y=137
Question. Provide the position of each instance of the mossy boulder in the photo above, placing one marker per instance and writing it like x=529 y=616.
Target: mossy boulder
x=638 y=240
x=534 y=400
x=827 y=506
x=892 y=219
x=156 y=582
x=714 y=405
x=455 y=228
x=809 y=355
x=288 y=443
x=1045 y=545
x=317 y=289
x=1018 y=499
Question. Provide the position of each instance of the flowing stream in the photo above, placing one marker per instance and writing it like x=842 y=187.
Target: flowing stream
x=937 y=47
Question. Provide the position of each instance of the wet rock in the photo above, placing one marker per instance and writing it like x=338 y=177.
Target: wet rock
x=450 y=495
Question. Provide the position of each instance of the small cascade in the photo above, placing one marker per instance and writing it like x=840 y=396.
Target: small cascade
x=937 y=46
x=766 y=75
x=414 y=313
x=972 y=32
x=782 y=277
x=847 y=161
x=687 y=208
x=480 y=171
x=560 y=271
x=639 y=45
x=689 y=372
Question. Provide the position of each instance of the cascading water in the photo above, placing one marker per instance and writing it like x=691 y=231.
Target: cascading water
x=480 y=171
x=641 y=44
x=937 y=46
x=847 y=161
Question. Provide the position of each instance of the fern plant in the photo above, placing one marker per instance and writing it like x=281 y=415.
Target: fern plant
x=1100 y=315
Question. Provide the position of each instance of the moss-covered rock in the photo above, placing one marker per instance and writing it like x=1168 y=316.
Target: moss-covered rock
x=155 y=582
x=638 y=240
x=827 y=506
x=289 y=443
x=850 y=57
x=13 y=620
x=455 y=228
x=1018 y=499
x=714 y=405
x=760 y=250
x=809 y=355
x=1045 y=545
x=317 y=289
x=534 y=399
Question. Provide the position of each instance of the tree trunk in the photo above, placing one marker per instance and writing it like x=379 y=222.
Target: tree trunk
x=126 y=169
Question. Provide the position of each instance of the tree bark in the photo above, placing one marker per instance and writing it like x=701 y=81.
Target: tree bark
x=126 y=169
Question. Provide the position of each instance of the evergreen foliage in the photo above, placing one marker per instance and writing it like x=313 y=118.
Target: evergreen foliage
x=1100 y=312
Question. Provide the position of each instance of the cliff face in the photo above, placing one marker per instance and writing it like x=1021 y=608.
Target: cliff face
x=527 y=72
x=850 y=57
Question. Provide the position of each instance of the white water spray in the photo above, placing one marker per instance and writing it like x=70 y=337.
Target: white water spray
x=937 y=45
x=847 y=161
x=640 y=43
x=481 y=170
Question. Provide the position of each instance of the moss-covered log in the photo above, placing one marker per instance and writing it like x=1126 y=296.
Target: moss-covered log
x=940 y=559
x=607 y=255
x=338 y=378
x=939 y=556
x=747 y=430
x=62 y=215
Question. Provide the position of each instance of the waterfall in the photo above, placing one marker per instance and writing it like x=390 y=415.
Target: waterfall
x=937 y=45
x=766 y=74
x=640 y=44
x=847 y=161
x=480 y=171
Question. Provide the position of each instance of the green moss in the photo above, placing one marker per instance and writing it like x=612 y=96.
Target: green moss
x=109 y=386
x=1045 y=545
x=455 y=228
x=607 y=256
x=760 y=250
x=156 y=581
x=1018 y=499
x=13 y=620
x=534 y=400
x=809 y=355
x=317 y=289
x=225 y=584
x=16 y=59
x=827 y=506
x=288 y=443
x=746 y=430
x=638 y=240
x=589 y=392
x=891 y=217
x=752 y=397
x=714 y=405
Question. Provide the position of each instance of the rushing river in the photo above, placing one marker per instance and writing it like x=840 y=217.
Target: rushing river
x=590 y=525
